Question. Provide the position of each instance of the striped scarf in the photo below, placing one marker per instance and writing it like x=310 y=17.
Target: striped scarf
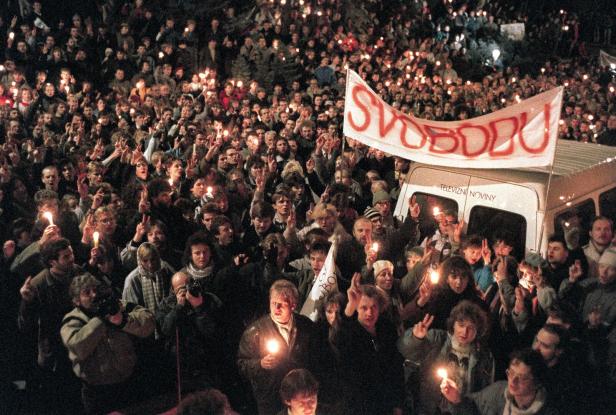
x=152 y=287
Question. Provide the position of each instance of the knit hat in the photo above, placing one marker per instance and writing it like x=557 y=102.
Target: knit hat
x=608 y=257
x=382 y=265
x=380 y=196
x=535 y=260
x=371 y=213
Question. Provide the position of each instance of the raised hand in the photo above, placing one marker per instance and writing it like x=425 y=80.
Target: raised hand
x=27 y=291
x=354 y=294
x=520 y=296
x=8 y=249
x=450 y=391
x=575 y=271
x=425 y=292
x=486 y=253
x=501 y=270
x=144 y=204
x=420 y=330
x=141 y=229
x=414 y=207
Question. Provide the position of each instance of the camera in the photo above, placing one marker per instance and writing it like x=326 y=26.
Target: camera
x=194 y=288
x=107 y=303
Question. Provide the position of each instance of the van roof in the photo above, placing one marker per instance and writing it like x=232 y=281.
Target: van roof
x=577 y=166
x=573 y=157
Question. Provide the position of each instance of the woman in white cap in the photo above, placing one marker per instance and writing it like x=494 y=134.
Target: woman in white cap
x=384 y=279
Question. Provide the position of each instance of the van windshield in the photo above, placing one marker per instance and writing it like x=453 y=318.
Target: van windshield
x=495 y=224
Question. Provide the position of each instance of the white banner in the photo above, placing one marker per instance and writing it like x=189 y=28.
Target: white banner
x=606 y=59
x=325 y=283
x=523 y=135
x=513 y=31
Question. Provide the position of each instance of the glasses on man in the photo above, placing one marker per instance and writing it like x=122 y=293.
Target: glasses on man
x=516 y=377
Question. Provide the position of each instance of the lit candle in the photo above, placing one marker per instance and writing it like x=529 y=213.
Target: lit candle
x=375 y=246
x=272 y=346
x=441 y=373
x=225 y=133
x=49 y=217
x=434 y=277
x=240 y=84
x=95 y=237
x=208 y=192
x=436 y=211
x=171 y=182
x=201 y=75
x=161 y=55
x=12 y=35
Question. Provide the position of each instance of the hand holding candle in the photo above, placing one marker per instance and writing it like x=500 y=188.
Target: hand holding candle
x=434 y=277
x=441 y=372
x=272 y=346
x=49 y=217
x=95 y=238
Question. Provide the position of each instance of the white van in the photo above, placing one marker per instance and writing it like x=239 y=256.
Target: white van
x=583 y=185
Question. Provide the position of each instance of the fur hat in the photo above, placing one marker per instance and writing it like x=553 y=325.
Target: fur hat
x=608 y=257
x=382 y=265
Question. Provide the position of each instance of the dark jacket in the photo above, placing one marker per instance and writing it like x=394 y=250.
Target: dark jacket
x=370 y=368
x=266 y=383
x=44 y=314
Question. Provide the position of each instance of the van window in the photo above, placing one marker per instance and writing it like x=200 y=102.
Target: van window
x=427 y=202
x=607 y=204
x=578 y=216
x=487 y=222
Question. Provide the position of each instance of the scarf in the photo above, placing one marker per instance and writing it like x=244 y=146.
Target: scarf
x=512 y=409
x=151 y=286
x=199 y=273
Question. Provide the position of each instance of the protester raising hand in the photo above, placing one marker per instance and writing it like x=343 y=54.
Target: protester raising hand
x=354 y=294
x=27 y=291
x=450 y=391
x=420 y=330
x=486 y=253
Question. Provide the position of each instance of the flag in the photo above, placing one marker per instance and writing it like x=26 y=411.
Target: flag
x=325 y=283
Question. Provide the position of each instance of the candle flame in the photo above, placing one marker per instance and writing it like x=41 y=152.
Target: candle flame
x=272 y=346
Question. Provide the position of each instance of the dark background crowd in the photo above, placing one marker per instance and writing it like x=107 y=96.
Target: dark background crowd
x=174 y=173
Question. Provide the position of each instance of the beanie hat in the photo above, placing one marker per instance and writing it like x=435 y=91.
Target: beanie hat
x=608 y=257
x=371 y=213
x=380 y=196
x=382 y=265
x=535 y=260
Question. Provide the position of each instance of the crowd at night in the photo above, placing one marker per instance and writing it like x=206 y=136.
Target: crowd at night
x=174 y=177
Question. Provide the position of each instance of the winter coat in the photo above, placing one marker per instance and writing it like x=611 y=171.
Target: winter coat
x=435 y=351
x=370 y=367
x=101 y=352
x=491 y=401
x=297 y=354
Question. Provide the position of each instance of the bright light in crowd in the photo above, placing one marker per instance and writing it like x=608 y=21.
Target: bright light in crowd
x=272 y=346
x=496 y=53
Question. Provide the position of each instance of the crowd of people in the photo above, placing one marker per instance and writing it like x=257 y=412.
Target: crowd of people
x=174 y=174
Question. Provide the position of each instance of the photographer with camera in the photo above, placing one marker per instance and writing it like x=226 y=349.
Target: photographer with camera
x=98 y=335
x=193 y=315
